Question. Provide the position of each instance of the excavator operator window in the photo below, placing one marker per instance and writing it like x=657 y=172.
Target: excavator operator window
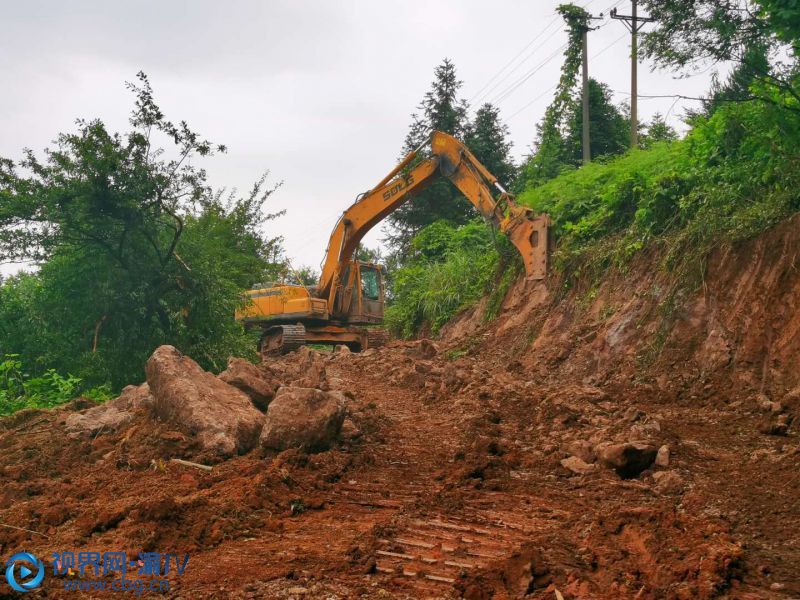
x=370 y=286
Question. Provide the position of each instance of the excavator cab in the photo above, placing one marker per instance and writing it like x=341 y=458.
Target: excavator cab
x=373 y=292
x=361 y=299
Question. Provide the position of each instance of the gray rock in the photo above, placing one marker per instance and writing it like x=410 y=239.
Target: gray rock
x=578 y=466
x=310 y=369
x=582 y=449
x=257 y=382
x=662 y=457
x=111 y=416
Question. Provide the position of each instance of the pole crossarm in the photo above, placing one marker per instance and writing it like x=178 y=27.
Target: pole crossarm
x=630 y=21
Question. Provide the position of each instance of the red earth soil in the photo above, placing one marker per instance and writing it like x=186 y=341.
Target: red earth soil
x=478 y=465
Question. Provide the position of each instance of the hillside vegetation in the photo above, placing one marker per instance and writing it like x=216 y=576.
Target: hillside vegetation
x=733 y=176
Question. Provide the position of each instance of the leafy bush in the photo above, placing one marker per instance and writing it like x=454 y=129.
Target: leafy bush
x=19 y=390
x=450 y=270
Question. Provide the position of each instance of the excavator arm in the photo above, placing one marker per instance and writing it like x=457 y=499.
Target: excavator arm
x=451 y=159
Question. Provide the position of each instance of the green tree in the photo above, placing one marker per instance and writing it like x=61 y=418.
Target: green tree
x=304 y=275
x=658 y=130
x=441 y=109
x=448 y=269
x=784 y=19
x=738 y=85
x=134 y=248
x=365 y=254
x=609 y=129
x=688 y=35
x=548 y=158
x=487 y=138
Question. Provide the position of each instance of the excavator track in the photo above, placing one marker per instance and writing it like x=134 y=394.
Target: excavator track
x=376 y=338
x=282 y=339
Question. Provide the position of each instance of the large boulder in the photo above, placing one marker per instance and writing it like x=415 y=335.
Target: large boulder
x=258 y=383
x=111 y=416
x=221 y=417
x=582 y=449
x=304 y=418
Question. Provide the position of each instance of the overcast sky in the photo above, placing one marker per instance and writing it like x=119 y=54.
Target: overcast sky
x=317 y=92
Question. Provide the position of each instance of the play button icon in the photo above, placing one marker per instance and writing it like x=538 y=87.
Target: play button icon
x=24 y=572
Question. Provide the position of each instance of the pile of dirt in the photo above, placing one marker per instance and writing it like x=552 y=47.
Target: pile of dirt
x=631 y=441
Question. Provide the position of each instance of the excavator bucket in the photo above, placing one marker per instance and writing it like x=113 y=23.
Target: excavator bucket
x=531 y=236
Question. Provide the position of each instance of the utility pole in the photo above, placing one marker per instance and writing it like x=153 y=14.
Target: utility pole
x=587 y=150
x=586 y=141
x=634 y=23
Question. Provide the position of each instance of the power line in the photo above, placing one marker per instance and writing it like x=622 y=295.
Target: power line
x=481 y=94
x=648 y=96
x=614 y=43
x=528 y=45
x=540 y=96
x=669 y=112
x=526 y=76
x=511 y=72
x=509 y=90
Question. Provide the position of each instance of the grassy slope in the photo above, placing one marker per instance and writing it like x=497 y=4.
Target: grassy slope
x=734 y=175
x=731 y=178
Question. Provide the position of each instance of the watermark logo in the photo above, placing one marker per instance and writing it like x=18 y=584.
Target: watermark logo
x=24 y=572
x=91 y=571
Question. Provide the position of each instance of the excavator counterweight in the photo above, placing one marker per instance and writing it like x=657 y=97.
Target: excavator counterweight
x=349 y=297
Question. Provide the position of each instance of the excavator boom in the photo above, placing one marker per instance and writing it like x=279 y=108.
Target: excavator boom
x=449 y=158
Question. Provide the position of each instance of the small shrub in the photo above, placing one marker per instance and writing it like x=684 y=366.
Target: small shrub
x=450 y=270
x=19 y=390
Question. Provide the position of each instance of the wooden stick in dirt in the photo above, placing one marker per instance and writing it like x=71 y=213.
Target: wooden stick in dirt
x=23 y=529
x=187 y=463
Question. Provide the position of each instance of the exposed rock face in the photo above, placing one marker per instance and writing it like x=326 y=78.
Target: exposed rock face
x=629 y=459
x=221 y=417
x=256 y=382
x=112 y=415
x=304 y=418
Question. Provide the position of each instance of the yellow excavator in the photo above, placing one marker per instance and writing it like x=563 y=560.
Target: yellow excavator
x=350 y=294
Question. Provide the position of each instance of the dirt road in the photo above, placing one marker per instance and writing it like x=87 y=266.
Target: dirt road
x=452 y=486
